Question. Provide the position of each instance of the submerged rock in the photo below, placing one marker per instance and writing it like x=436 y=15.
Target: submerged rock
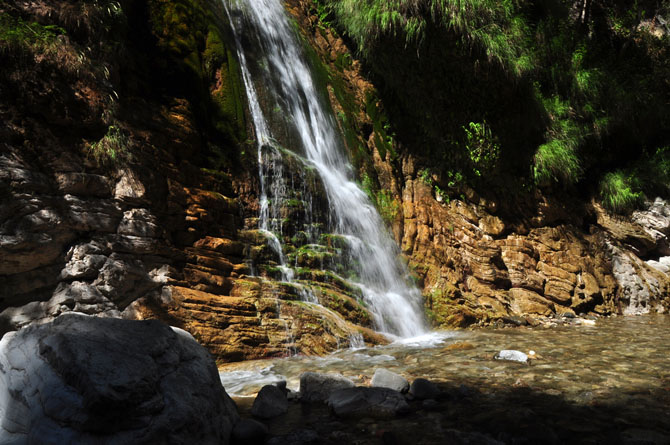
x=82 y=379
x=380 y=403
x=423 y=389
x=270 y=402
x=316 y=387
x=384 y=378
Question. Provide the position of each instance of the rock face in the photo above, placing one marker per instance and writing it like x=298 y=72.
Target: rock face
x=83 y=379
x=166 y=227
x=482 y=259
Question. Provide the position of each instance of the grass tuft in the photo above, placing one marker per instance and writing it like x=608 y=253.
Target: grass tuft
x=619 y=192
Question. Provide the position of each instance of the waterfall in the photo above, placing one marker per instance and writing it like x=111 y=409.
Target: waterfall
x=264 y=32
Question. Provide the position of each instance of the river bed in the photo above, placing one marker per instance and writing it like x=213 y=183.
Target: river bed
x=612 y=370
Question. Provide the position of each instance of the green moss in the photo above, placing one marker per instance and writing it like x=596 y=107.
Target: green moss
x=191 y=34
x=383 y=134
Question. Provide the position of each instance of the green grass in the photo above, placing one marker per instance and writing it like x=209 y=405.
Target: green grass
x=490 y=25
x=619 y=192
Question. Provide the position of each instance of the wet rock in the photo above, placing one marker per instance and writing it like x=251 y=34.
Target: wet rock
x=512 y=356
x=270 y=402
x=379 y=403
x=119 y=381
x=423 y=389
x=384 y=378
x=316 y=387
x=249 y=431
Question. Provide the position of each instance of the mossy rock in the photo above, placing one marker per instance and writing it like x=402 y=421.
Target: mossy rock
x=192 y=36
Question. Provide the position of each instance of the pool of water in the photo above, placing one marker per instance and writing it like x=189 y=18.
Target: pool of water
x=582 y=362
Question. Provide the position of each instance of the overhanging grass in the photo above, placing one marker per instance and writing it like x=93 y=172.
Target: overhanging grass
x=619 y=192
x=493 y=26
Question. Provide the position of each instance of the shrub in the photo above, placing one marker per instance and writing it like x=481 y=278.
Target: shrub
x=619 y=193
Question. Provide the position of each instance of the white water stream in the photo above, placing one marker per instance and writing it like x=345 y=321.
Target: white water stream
x=283 y=71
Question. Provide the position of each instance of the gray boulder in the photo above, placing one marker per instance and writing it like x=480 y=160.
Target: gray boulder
x=379 y=403
x=423 y=389
x=82 y=379
x=315 y=387
x=270 y=402
x=386 y=379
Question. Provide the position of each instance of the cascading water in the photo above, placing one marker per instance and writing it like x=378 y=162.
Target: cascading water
x=282 y=70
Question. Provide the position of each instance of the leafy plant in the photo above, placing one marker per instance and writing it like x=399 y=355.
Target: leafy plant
x=482 y=147
x=113 y=148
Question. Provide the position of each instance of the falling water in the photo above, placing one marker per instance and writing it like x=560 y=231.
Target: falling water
x=281 y=68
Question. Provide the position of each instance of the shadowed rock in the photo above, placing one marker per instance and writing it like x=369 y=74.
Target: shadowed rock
x=82 y=379
x=270 y=402
x=380 y=403
x=316 y=387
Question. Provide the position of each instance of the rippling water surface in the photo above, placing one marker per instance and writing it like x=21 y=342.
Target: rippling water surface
x=617 y=358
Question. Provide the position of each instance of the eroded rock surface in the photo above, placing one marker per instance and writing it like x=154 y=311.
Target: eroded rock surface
x=83 y=379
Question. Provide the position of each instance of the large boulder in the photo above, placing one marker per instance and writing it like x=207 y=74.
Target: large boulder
x=384 y=378
x=316 y=387
x=82 y=379
x=270 y=402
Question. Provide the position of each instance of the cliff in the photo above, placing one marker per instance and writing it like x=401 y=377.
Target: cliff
x=129 y=185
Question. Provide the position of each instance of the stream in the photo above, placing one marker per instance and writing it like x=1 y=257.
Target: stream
x=590 y=378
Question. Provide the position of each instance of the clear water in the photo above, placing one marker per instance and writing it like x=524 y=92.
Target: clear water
x=272 y=60
x=616 y=359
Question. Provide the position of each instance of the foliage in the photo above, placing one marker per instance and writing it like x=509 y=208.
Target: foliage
x=620 y=192
x=113 y=148
x=15 y=32
x=482 y=147
x=556 y=160
x=487 y=24
x=565 y=94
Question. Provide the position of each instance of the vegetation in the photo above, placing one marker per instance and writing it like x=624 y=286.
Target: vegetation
x=558 y=93
x=619 y=192
x=17 y=33
x=113 y=148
